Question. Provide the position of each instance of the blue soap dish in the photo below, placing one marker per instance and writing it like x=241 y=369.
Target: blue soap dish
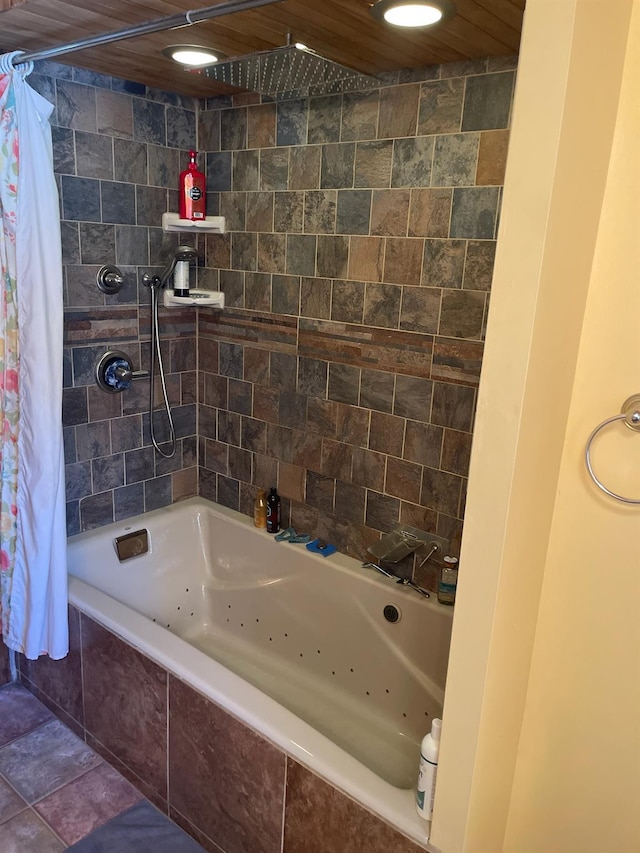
x=319 y=546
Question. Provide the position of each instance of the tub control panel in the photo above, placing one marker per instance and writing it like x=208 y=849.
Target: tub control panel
x=132 y=544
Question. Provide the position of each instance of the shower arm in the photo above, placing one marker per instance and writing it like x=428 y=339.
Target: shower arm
x=183 y=19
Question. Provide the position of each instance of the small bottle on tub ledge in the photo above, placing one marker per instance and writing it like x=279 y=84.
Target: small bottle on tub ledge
x=273 y=511
x=428 y=770
x=448 y=581
x=260 y=510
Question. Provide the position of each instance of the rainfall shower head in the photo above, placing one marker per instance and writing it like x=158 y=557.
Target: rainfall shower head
x=182 y=253
x=293 y=69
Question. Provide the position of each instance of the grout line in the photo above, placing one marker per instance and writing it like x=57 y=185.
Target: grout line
x=167 y=744
x=284 y=802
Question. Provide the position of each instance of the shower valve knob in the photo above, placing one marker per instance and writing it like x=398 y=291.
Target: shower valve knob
x=123 y=373
x=109 y=279
x=114 y=372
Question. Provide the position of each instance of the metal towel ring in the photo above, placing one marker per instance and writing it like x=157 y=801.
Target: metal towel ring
x=630 y=414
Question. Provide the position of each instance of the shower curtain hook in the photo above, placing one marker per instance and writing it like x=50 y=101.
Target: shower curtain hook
x=8 y=63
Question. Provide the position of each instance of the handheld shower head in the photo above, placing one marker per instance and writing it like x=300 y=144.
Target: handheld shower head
x=182 y=253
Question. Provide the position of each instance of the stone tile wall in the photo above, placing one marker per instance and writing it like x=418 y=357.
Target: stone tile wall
x=227 y=786
x=356 y=269
x=118 y=150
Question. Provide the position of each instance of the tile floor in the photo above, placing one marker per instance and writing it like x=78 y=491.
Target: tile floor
x=57 y=794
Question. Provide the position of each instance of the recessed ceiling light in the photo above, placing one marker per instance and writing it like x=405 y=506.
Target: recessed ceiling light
x=192 y=55
x=412 y=13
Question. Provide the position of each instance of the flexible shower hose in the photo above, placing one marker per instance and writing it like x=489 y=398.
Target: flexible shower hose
x=155 y=348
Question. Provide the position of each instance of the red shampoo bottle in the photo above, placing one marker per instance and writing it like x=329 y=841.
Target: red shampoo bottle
x=193 y=191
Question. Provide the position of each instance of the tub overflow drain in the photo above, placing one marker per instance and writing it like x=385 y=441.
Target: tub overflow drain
x=391 y=613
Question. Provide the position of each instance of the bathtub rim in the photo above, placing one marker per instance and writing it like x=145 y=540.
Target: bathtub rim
x=274 y=723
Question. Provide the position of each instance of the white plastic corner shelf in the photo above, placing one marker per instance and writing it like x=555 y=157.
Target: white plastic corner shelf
x=210 y=225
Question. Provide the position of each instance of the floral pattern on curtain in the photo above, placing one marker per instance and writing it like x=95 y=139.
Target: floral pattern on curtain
x=9 y=356
x=33 y=547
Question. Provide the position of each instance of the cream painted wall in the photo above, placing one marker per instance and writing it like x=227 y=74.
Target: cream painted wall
x=534 y=632
x=577 y=781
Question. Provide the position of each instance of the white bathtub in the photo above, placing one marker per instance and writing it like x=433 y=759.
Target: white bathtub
x=293 y=644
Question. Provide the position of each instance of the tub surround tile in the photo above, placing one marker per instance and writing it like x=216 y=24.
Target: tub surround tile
x=423 y=443
x=462 y=314
x=353 y=212
x=181 y=128
x=478 y=270
x=337 y=165
x=440 y=491
x=127 y=773
x=319 y=819
x=441 y=104
x=386 y=433
x=94 y=156
x=76 y=106
x=420 y=309
x=274 y=169
x=115 y=113
x=359 y=116
x=96 y=511
x=81 y=199
x=492 y=157
x=453 y=406
x=361 y=346
x=288 y=212
x=376 y=390
x=474 y=212
x=64 y=157
x=97 y=243
x=345 y=250
x=149 y=122
x=291 y=123
x=55 y=709
x=117 y=676
x=261 y=127
x=488 y=101
x=5 y=669
x=323 y=122
x=225 y=779
x=443 y=263
x=245 y=170
x=382 y=303
x=456 y=451
x=347 y=301
x=60 y=680
x=454 y=160
x=373 y=164
x=412 y=162
x=70 y=243
x=390 y=212
x=398 y=111
x=304 y=167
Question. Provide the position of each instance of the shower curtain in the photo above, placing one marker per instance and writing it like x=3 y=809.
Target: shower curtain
x=33 y=577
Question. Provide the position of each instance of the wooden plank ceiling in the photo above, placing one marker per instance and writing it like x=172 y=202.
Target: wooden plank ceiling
x=341 y=30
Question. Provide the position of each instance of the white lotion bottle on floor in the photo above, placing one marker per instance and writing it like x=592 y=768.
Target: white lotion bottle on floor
x=426 y=789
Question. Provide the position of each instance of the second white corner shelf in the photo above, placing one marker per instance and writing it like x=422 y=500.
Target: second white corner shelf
x=210 y=225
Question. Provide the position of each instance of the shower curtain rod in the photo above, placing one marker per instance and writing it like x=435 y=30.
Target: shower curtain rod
x=183 y=19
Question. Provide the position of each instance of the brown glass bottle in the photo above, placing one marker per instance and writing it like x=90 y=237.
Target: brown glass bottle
x=273 y=512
